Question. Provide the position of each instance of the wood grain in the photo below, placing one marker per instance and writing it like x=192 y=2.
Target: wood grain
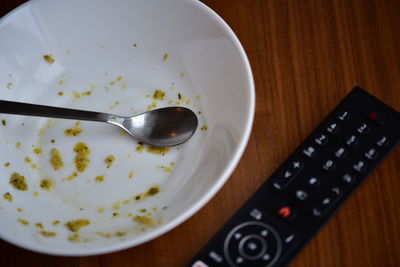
x=306 y=55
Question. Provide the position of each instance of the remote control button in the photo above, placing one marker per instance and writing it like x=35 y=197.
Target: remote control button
x=239 y=260
x=336 y=192
x=290 y=238
x=294 y=168
x=259 y=244
x=252 y=247
x=266 y=257
x=199 y=264
x=215 y=256
x=316 y=212
x=286 y=212
x=352 y=141
x=359 y=166
x=326 y=202
x=341 y=153
x=310 y=151
x=363 y=129
x=343 y=116
x=332 y=128
x=348 y=179
x=313 y=181
x=297 y=165
x=328 y=165
x=321 y=140
x=375 y=116
x=371 y=153
x=301 y=194
x=382 y=141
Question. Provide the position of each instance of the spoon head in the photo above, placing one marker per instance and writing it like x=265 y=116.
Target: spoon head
x=163 y=127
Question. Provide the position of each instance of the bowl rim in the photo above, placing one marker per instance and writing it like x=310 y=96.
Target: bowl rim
x=226 y=173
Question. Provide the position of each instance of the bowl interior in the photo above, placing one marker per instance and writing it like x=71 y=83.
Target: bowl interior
x=123 y=58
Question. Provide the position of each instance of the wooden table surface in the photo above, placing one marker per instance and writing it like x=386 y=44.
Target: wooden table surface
x=306 y=55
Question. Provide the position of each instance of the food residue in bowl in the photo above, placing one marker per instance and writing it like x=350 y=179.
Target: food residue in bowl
x=131 y=174
x=23 y=222
x=56 y=223
x=7 y=164
x=61 y=82
x=116 y=104
x=204 y=128
x=140 y=147
x=74 y=130
x=71 y=177
x=108 y=235
x=158 y=94
x=4 y=122
x=47 y=233
x=151 y=192
x=167 y=168
x=165 y=57
x=18 y=182
x=109 y=160
x=99 y=179
x=157 y=150
x=37 y=150
x=118 y=79
x=7 y=196
x=74 y=238
x=9 y=85
x=18 y=144
x=39 y=225
x=79 y=95
x=49 y=58
x=56 y=159
x=20 y=209
x=152 y=106
x=76 y=225
x=148 y=221
x=47 y=184
x=82 y=156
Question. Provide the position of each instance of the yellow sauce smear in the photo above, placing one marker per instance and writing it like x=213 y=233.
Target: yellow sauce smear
x=56 y=159
x=74 y=130
x=158 y=150
x=159 y=94
x=76 y=225
x=47 y=233
x=74 y=238
x=23 y=222
x=7 y=196
x=151 y=192
x=144 y=220
x=71 y=177
x=49 y=59
x=99 y=179
x=109 y=160
x=18 y=182
x=47 y=184
x=82 y=156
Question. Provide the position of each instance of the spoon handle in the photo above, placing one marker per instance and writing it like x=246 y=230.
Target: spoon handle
x=17 y=108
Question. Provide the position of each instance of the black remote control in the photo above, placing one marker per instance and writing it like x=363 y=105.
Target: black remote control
x=309 y=187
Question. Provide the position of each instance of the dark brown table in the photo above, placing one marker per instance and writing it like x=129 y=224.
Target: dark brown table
x=306 y=56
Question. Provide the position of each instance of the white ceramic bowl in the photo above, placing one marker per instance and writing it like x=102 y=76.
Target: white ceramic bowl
x=111 y=56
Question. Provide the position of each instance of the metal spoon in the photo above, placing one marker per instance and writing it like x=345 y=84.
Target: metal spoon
x=162 y=127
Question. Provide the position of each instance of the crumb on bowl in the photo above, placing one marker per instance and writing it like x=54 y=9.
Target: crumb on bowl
x=49 y=59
